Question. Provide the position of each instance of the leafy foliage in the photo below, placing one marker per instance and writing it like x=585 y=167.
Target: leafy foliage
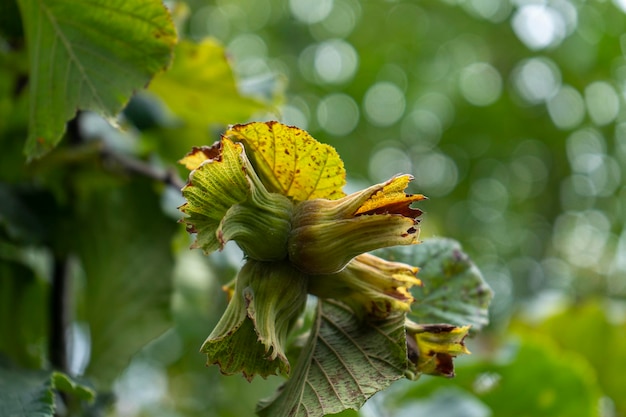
x=31 y=393
x=514 y=132
x=132 y=282
x=344 y=362
x=19 y=294
x=454 y=290
x=586 y=331
x=324 y=243
x=89 y=55
x=291 y=162
x=567 y=388
x=200 y=86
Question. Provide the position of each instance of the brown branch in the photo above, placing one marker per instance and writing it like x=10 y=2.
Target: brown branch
x=60 y=306
x=138 y=167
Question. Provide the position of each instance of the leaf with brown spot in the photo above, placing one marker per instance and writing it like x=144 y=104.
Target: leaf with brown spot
x=290 y=161
x=198 y=155
x=89 y=55
x=344 y=362
x=392 y=199
x=454 y=290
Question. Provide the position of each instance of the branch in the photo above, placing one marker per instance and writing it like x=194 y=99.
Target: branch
x=60 y=306
x=138 y=167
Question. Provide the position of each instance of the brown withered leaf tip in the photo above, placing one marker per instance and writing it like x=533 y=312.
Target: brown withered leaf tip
x=212 y=152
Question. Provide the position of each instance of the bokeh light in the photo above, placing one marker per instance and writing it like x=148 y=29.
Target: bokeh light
x=338 y=114
x=536 y=79
x=341 y=20
x=508 y=113
x=567 y=108
x=582 y=236
x=436 y=173
x=310 y=11
x=389 y=160
x=538 y=26
x=602 y=102
x=384 y=103
x=480 y=84
x=335 y=61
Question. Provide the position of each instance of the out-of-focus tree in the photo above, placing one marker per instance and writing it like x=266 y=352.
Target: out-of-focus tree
x=509 y=114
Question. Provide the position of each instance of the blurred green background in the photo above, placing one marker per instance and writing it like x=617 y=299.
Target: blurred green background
x=511 y=117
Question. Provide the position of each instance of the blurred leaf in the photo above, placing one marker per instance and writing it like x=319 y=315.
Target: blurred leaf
x=454 y=290
x=15 y=217
x=172 y=142
x=123 y=241
x=26 y=393
x=291 y=162
x=13 y=113
x=27 y=214
x=587 y=330
x=344 y=362
x=539 y=381
x=22 y=312
x=200 y=86
x=10 y=22
x=64 y=383
x=31 y=393
x=89 y=55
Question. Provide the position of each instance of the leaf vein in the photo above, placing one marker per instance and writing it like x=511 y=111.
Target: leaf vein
x=321 y=174
x=68 y=47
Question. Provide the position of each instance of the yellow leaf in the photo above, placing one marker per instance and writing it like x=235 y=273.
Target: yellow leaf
x=200 y=86
x=291 y=162
x=432 y=348
x=392 y=199
x=198 y=155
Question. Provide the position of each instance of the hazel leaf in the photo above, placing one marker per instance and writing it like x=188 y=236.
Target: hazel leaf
x=89 y=55
x=30 y=393
x=454 y=290
x=432 y=348
x=344 y=362
x=291 y=162
x=392 y=199
x=200 y=87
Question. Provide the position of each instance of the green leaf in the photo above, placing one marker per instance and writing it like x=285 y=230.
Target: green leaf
x=454 y=290
x=200 y=86
x=89 y=55
x=10 y=23
x=291 y=162
x=25 y=393
x=22 y=312
x=344 y=362
x=27 y=214
x=123 y=240
x=537 y=380
x=587 y=330
x=64 y=383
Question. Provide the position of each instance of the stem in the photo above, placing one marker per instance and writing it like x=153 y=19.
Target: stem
x=60 y=303
x=138 y=167
x=59 y=315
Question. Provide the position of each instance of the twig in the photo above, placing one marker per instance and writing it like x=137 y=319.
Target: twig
x=59 y=315
x=60 y=303
x=138 y=167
